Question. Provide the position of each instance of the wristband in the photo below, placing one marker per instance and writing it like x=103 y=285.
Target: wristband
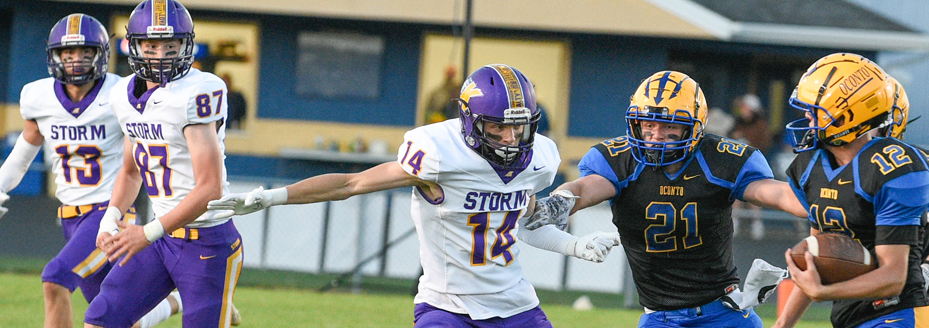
x=154 y=230
x=108 y=222
x=278 y=196
x=571 y=249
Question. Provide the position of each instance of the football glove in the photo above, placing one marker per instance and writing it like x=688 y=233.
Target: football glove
x=594 y=247
x=554 y=209
x=245 y=203
x=3 y=198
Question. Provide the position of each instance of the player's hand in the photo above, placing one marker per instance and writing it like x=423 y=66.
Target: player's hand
x=245 y=203
x=3 y=198
x=125 y=244
x=807 y=280
x=596 y=246
x=553 y=209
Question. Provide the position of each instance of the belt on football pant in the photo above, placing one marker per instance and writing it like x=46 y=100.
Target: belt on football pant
x=68 y=211
x=185 y=233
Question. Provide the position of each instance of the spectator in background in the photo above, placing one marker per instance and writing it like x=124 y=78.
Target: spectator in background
x=237 y=105
x=722 y=122
x=441 y=107
x=751 y=127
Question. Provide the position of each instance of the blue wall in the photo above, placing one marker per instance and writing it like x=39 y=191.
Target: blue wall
x=396 y=104
x=605 y=71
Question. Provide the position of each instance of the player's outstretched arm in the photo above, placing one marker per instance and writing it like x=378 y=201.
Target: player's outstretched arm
x=593 y=247
x=568 y=199
x=774 y=194
x=17 y=163
x=326 y=187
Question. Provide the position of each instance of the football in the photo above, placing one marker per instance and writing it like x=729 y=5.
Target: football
x=837 y=257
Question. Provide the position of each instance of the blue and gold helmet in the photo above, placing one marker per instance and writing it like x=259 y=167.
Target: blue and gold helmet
x=503 y=95
x=78 y=30
x=160 y=20
x=844 y=96
x=666 y=97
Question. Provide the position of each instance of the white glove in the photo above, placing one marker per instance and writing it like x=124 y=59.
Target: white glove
x=553 y=209
x=241 y=204
x=925 y=269
x=594 y=247
x=3 y=198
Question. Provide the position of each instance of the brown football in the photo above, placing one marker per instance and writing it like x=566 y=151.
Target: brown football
x=837 y=257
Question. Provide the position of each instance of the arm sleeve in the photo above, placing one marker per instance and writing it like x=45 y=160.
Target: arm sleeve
x=16 y=165
x=548 y=237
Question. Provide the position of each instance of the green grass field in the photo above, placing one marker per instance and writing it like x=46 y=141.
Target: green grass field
x=285 y=299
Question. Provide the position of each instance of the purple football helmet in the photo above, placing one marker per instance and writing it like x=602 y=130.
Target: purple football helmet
x=498 y=94
x=78 y=30
x=160 y=20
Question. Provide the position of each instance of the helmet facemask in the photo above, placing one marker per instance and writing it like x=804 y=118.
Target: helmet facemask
x=522 y=125
x=161 y=70
x=661 y=153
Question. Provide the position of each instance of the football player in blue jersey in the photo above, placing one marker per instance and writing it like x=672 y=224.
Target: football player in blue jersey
x=671 y=188
x=875 y=190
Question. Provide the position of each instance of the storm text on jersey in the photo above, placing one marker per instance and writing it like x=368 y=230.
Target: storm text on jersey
x=495 y=201
x=147 y=131
x=78 y=133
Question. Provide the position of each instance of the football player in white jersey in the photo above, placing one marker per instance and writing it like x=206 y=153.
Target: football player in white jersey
x=78 y=126
x=473 y=179
x=172 y=116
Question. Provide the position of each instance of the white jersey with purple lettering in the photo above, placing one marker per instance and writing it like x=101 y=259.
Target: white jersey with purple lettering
x=154 y=122
x=468 y=238
x=83 y=138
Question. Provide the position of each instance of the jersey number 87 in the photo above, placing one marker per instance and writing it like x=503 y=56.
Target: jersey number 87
x=143 y=159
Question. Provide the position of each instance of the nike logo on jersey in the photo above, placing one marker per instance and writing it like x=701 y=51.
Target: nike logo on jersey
x=892 y=320
x=843 y=182
x=747 y=313
x=536 y=168
x=156 y=102
x=207 y=257
x=103 y=104
x=690 y=177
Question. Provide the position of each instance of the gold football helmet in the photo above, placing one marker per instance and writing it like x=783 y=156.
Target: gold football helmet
x=900 y=112
x=844 y=96
x=666 y=97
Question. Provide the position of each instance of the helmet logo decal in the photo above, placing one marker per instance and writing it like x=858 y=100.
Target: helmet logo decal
x=662 y=83
x=513 y=88
x=74 y=36
x=159 y=12
x=160 y=27
x=469 y=91
x=853 y=81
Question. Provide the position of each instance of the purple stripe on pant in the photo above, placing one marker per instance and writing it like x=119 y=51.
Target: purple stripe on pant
x=204 y=271
x=81 y=235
